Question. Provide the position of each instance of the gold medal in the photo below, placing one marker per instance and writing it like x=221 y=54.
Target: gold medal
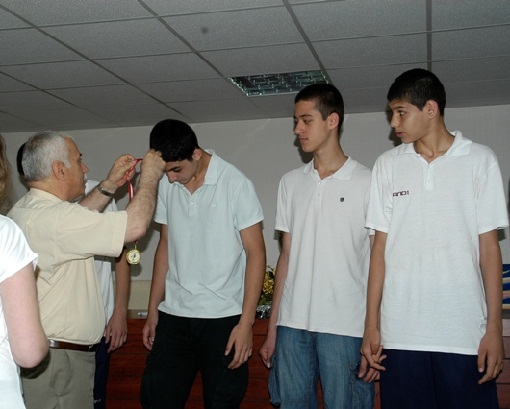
x=133 y=256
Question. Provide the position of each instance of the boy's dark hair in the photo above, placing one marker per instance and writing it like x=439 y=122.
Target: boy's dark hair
x=417 y=86
x=327 y=97
x=19 y=157
x=174 y=139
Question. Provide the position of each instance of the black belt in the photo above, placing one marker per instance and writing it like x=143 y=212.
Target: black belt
x=75 y=347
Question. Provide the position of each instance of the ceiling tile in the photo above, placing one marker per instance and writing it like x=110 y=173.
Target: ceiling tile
x=29 y=45
x=448 y=15
x=61 y=74
x=376 y=50
x=265 y=60
x=219 y=110
x=369 y=77
x=361 y=18
x=161 y=68
x=119 y=38
x=9 y=123
x=200 y=6
x=480 y=69
x=247 y=28
x=137 y=113
x=91 y=97
x=29 y=100
x=42 y=12
x=192 y=90
x=482 y=42
x=10 y=84
x=8 y=21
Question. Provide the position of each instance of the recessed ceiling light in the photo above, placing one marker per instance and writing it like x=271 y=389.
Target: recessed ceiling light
x=285 y=83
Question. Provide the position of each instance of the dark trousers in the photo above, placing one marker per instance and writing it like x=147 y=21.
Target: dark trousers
x=182 y=348
x=434 y=380
x=101 y=375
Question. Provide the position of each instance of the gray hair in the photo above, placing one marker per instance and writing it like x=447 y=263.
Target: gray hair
x=40 y=151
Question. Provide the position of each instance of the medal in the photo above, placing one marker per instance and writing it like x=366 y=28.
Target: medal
x=133 y=256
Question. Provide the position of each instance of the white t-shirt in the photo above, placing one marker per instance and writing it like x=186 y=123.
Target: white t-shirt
x=206 y=257
x=105 y=265
x=433 y=213
x=14 y=255
x=328 y=265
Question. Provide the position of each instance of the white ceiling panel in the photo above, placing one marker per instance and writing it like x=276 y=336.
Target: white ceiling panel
x=165 y=7
x=91 y=97
x=473 y=43
x=247 y=28
x=112 y=63
x=10 y=101
x=119 y=38
x=29 y=45
x=50 y=12
x=192 y=90
x=161 y=68
x=361 y=18
x=8 y=21
x=379 y=50
x=450 y=15
x=256 y=60
x=10 y=84
x=61 y=74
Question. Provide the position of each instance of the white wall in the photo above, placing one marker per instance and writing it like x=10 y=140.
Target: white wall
x=265 y=149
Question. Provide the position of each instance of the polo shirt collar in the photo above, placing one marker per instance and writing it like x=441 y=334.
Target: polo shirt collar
x=211 y=176
x=344 y=173
x=461 y=146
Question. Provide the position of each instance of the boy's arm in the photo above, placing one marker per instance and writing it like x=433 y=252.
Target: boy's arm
x=157 y=292
x=241 y=337
x=282 y=267
x=371 y=347
x=116 y=329
x=491 y=352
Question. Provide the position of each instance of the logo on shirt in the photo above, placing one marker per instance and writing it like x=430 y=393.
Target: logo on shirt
x=402 y=193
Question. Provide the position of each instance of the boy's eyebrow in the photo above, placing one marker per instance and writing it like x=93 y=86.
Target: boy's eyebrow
x=173 y=168
x=303 y=115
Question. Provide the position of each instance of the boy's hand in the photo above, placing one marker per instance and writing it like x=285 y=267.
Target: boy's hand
x=491 y=355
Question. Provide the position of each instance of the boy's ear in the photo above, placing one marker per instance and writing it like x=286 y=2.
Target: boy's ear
x=334 y=120
x=431 y=108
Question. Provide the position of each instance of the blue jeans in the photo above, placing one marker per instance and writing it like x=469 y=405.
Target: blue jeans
x=303 y=357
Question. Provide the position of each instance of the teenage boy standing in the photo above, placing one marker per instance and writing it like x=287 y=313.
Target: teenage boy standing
x=316 y=324
x=435 y=292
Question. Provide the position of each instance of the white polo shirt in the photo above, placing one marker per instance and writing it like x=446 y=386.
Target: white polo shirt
x=206 y=256
x=433 y=213
x=328 y=266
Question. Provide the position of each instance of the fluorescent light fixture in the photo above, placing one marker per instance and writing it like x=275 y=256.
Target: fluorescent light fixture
x=271 y=84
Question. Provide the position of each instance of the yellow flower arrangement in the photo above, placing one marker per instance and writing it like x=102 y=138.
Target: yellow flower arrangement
x=267 y=288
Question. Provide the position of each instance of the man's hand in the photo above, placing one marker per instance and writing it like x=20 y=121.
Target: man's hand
x=241 y=339
x=121 y=170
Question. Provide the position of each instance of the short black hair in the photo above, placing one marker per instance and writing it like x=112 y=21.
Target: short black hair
x=417 y=86
x=19 y=157
x=327 y=98
x=174 y=139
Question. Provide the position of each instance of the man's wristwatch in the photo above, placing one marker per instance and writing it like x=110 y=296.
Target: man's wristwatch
x=103 y=191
